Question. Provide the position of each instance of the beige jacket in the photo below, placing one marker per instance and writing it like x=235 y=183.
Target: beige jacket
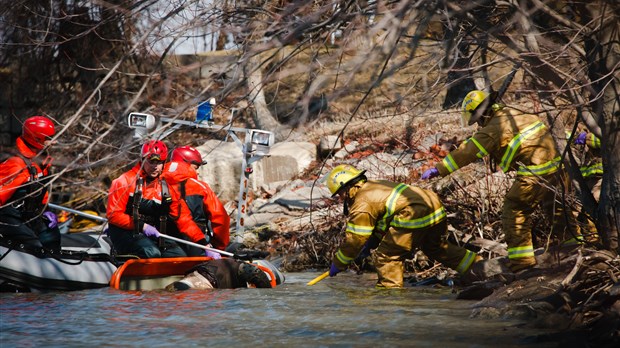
x=377 y=206
x=515 y=140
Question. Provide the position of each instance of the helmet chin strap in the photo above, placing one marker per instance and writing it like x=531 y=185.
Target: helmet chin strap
x=345 y=205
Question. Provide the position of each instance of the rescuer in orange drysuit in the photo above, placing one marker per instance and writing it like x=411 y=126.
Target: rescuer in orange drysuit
x=205 y=208
x=140 y=207
x=24 y=188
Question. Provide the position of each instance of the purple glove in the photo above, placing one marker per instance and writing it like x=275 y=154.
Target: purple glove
x=581 y=138
x=430 y=173
x=52 y=219
x=150 y=231
x=212 y=254
x=333 y=270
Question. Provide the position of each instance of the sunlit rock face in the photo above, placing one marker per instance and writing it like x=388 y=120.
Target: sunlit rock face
x=223 y=169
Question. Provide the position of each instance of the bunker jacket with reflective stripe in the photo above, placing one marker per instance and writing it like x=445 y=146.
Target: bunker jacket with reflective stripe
x=592 y=164
x=515 y=140
x=378 y=205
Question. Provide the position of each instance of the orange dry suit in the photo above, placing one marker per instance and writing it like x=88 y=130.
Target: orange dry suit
x=23 y=198
x=520 y=142
x=403 y=217
x=155 y=208
x=204 y=206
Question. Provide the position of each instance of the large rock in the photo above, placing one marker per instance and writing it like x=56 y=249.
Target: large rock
x=286 y=160
x=223 y=170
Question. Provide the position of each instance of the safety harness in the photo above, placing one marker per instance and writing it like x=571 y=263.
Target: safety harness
x=198 y=214
x=28 y=198
x=137 y=198
x=166 y=200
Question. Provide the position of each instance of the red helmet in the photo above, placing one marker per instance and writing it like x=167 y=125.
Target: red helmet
x=154 y=150
x=36 y=130
x=187 y=154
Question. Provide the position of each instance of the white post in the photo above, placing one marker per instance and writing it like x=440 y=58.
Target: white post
x=242 y=205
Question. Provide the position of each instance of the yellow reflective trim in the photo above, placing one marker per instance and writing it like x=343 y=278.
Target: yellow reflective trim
x=450 y=164
x=516 y=142
x=345 y=260
x=594 y=169
x=521 y=252
x=574 y=241
x=390 y=204
x=466 y=262
x=540 y=169
x=431 y=219
x=483 y=152
x=359 y=230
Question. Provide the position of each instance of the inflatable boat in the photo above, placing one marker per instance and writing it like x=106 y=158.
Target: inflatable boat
x=85 y=262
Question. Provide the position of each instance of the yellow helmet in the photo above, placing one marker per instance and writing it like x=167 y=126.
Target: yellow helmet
x=79 y=224
x=342 y=175
x=471 y=102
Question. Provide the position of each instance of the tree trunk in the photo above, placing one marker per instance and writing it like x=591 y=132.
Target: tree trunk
x=459 y=79
x=603 y=54
x=264 y=119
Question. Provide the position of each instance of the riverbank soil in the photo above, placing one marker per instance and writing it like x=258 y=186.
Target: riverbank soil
x=574 y=292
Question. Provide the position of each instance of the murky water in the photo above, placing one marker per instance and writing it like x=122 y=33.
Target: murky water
x=346 y=311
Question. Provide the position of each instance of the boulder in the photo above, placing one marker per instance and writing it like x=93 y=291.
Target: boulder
x=329 y=144
x=286 y=160
x=223 y=168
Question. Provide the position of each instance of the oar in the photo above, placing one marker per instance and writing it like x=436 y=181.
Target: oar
x=102 y=219
x=319 y=278
x=77 y=212
x=179 y=240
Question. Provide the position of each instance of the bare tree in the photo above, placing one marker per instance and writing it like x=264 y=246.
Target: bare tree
x=296 y=63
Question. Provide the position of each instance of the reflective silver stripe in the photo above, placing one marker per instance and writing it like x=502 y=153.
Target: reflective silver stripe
x=540 y=169
x=591 y=170
x=428 y=220
x=483 y=152
x=466 y=262
x=521 y=252
x=343 y=258
x=516 y=142
x=359 y=230
x=450 y=164
x=390 y=205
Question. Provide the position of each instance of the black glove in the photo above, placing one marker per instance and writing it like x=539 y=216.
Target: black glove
x=371 y=243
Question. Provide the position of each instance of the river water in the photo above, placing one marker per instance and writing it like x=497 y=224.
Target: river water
x=345 y=311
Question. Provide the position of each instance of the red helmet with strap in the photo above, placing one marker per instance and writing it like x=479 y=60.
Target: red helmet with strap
x=187 y=154
x=36 y=130
x=154 y=150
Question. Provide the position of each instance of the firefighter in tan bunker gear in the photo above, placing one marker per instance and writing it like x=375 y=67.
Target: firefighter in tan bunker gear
x=521 y=142
x=591 y=168
x=396 y=218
